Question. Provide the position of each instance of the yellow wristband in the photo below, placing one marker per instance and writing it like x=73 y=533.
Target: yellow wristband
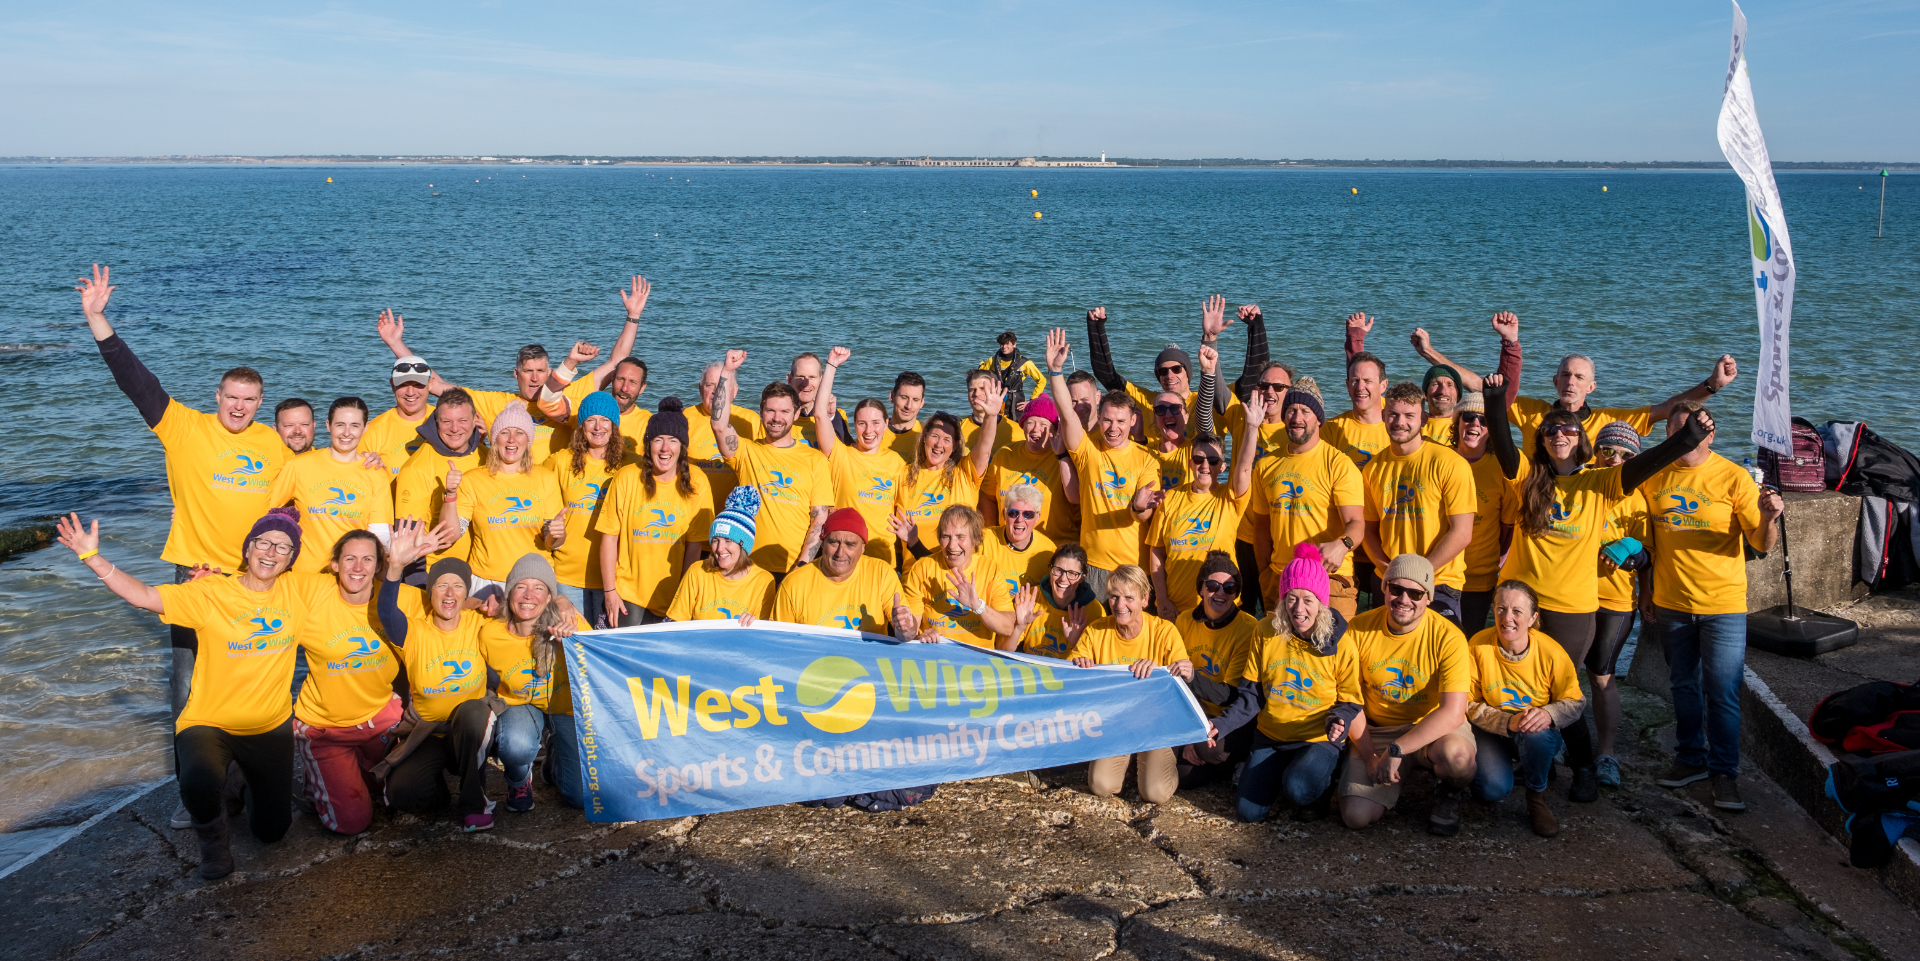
x=88 y=554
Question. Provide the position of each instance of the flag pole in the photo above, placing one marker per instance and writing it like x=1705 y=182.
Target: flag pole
x=1883 y=205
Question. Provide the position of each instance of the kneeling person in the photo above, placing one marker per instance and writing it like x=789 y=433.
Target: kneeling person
x=1524 y=692
x=1133 y=637
x=1416 y=675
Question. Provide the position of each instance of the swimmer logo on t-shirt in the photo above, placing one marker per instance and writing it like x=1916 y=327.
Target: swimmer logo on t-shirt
x=1514 y=700
x=267 y=636
x=1114 y=481
x=1298 y=688
x=879 y=492
x=245 y=473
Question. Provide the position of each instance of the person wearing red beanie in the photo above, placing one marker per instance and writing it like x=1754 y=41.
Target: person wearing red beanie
x=845 y=588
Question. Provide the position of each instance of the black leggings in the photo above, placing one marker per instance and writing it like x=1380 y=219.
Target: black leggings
x=1474 y=608
x=1243 y=558
x=1610 y=632
x=416 y=783
x=200 y=758
x=1574 y=632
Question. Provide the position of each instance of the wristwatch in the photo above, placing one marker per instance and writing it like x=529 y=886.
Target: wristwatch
x=1344 y=539
x=1393 y=750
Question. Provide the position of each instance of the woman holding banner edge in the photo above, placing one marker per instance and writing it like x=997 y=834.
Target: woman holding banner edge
x=1141 y=641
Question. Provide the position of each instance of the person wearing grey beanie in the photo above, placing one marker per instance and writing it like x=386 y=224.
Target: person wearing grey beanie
x=522 y=647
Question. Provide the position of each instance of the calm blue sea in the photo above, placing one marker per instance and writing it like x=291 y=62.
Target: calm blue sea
x=913 y=269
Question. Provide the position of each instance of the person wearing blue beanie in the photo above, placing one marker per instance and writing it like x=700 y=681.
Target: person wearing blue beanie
x=727 y=584
x=599 y=404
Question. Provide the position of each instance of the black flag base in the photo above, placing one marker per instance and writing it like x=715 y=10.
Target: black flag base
x=1799 y=631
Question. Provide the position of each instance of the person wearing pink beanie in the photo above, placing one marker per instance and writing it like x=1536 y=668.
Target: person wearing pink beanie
x=1035 y=460
x=1306 y=572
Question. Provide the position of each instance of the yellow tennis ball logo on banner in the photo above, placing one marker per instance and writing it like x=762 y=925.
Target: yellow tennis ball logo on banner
x=823 y=681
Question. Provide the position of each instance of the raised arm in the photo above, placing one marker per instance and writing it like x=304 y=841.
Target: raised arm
x=989 y=432
x=85 y=544
x=723 y=434
x=1358 y=327
x=1209 y=388
x=393 y=328
x=411 y=541
x=1072 y=434
x=1246 y=446
x=1257 y=355
x=810 y=549
x=1213 y=320
x=1692 y=433
x=635 y=301
x=824 y=403
x=1724 y=371
x=133 y=377
x=1507 y=324
x=1100 y=352
x=1499 y=434
x=1423 y=345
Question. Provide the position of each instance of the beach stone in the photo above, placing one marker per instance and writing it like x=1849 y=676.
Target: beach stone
x=976 y=848
x=1672 y=924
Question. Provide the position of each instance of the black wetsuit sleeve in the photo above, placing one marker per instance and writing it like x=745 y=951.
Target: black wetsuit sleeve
x=1102 y=356
x=1240 y=705
x=1500 y=435
x=392 y=621
x=135 y=380
x=1346 y=711
x=1257 y=357
x=840 y=428
x=1638 y=469
x=919 y=550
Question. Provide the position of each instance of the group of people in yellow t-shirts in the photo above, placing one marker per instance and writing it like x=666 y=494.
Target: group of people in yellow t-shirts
x=1230 y=534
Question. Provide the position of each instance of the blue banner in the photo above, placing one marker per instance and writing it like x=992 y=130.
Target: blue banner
x=709 y=716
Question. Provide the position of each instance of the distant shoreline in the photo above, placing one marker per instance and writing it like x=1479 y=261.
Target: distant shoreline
x=1005 y=163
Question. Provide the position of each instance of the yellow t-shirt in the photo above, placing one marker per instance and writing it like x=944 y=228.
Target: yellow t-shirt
x=924 y=498
x=332 y=498
x=1005 y=432
x=1014 y=568
x=577 y=562
x=1561 y=565
x=1493 y=497
x=1218 y=654
x=1527 y=413
x=1541 y=676
x=703 y=450
x=866 y=483
x=394 y=438
x=1355 y=439
x=488 y=404
x=906 y=443
x=654 y=532
x=444 y=668
x=862 y=602
x=243 y=675
x=1270 y=440
x=1158 y=641
x=350 y=665
x=1047 y=635
x=806 y=430
x=1699 y=564
x=1627 y=518
x=1172 y=468
x=1411 y=499
x=420 y=489
x=1302 y=683
x=1015 y=465
x=793 y=481
x=1187 y=525
x=219 y=482
x=506 y=513
x=1439 y=430
x=1403 y=675
x=1296 y=496
x=706 y=595
x=512 y=658
x=1108 y=480
x=930 y=596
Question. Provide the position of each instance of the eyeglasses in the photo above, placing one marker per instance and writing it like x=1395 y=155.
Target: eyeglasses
x=1015 y=512
x=1210 y=459
x=1560 y=429
x=1169 y=370
x=412 y=369
x=1166 y=410
x=274 y=546
x=1612 y=452
x=1270 y=388
x=1062 y=574
x=1411 y=593
x=1228 y=587
x=1470 y=418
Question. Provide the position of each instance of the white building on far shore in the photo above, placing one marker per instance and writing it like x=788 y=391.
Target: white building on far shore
x=1022 y=162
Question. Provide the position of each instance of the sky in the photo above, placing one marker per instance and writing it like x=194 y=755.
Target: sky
x=1361 y=79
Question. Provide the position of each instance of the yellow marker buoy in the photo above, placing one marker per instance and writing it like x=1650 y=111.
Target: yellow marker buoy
x=1356 y=190
x=329 y=180
x=1603 y=190
x=1036 y=193
x=1036 y=215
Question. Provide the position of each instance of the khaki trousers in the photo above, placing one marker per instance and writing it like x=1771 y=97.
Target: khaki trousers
x=1158 y=775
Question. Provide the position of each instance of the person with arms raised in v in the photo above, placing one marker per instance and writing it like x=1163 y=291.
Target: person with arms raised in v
x=795 y=482
x=1446 y=382
x=623 y=376
x=1201 y=516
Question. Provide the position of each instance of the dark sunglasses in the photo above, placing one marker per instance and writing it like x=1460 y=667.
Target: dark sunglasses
x=1022 y=515
x=1270 y=388
x=1469 y=418
x=1212 y=459
x=1413 y=593
x=1228 y=586
x=1168 y=371
x=1166 y=410
x=1561 y=429
x=412 y=369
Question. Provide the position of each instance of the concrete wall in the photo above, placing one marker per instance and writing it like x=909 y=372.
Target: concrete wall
x=1820 y=535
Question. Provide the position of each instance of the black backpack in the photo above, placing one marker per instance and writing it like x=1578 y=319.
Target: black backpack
x=1869 y=788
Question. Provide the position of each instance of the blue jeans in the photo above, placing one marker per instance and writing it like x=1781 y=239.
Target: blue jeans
x=590 y=602
x=1446 y=603
x=1495 y=760
x=1706 y=660
x=516 y=740
x=563 y=756
x=1300 y=772
x=300 y=670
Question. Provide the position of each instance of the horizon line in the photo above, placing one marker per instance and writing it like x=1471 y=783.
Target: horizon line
x=857 y=160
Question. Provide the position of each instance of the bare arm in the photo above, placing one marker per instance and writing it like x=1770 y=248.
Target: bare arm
x=1070 y=429
x=982 y=453
x=1724 y=372
x=724 y=435
x=824 y=403
x=1438 y=722
x=1262 y=540
x=1375 y=551
x=1157 y=572
x=1359 y=325
x=85 y=543
x=1246 y=446
x=1423 y=345
x=392 y=328
x=610 y=576
x=811 y=549
x=635 y=301
x=1459 y=534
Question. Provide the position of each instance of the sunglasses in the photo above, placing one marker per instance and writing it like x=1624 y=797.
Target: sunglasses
x=1169 y=370
x=1412 y=593
x=1612 y=452
x=1228 y=587
x=1015 y=512
x=1166 y=410
x=1209 y=459
x=1270 y=388
x=1469 y=418
x=1560 y=429
x=412 y=369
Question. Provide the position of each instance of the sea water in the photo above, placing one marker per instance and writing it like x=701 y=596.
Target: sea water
x=913 y=269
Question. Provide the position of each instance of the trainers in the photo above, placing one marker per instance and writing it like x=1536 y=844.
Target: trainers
x=478 y=822
x=1726 y=793
x=1608 y=769
x=181 y=820
x=1586 y=786
x=520 y=796
x=1540 y=814
x=1681 y=774
x=1445 y=819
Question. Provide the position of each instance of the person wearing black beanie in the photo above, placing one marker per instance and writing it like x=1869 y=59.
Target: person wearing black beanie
x=669 y=421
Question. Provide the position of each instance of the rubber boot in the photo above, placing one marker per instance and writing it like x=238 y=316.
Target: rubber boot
x=216 y=857
x=1538 y=812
